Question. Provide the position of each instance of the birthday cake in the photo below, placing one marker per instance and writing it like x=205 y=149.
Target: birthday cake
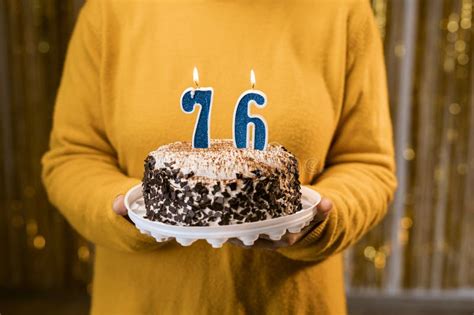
x=219 y=185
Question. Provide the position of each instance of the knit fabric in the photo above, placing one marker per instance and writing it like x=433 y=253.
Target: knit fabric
x=321 y=66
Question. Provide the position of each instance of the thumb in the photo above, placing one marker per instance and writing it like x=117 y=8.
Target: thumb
x=325 y=205
x=324 y=208
x=118 y=205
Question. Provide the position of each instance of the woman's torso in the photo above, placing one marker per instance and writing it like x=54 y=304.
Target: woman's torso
x=298 y=52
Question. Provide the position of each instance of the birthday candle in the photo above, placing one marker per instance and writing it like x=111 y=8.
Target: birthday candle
x=203 y=97
x=242 y=119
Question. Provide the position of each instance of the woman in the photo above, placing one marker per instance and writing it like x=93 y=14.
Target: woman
x=320 y=64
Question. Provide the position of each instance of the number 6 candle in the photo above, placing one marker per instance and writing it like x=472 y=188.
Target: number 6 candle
x=202 y=97
x=242 y=119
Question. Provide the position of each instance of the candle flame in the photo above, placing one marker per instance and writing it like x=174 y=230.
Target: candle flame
x=196 y=77
x=252 y=78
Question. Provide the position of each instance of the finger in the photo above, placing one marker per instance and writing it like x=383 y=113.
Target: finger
x=290 y=239
x=259 y=243
x=286 y=239
x=267 y=244
x=118 y=205
x=265 y=237
x=238 y=243
x=325 y=205
x=235 y=241
x=319 y=217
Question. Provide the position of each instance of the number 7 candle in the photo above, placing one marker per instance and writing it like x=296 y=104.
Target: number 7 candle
x=203 y=97
x=242 y=119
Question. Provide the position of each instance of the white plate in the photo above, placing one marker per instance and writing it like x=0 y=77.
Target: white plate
x=218 y=235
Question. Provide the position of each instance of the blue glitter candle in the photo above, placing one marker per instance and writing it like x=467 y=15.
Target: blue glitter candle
x=243 y=119
x=202 y=97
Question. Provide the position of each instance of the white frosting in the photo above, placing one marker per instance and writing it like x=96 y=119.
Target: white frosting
x=221 y=161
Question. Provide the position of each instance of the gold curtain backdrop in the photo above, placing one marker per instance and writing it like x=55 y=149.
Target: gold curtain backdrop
x=425 y=244
x=38 y=249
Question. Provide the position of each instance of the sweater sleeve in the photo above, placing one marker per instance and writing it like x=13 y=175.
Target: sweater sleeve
x=80 y=171
x=359 y=174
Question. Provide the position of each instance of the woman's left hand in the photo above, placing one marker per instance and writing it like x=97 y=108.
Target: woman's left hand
x=324 y=208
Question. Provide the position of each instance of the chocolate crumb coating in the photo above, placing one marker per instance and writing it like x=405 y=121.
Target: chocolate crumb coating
x=220 y=185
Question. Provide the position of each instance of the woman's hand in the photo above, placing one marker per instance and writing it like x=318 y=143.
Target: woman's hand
x=119 y=206
x=324 y=208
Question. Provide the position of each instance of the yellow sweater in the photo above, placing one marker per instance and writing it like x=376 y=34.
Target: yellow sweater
x=320 y=64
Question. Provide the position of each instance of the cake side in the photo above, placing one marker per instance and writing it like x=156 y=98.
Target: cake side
x=221 y=185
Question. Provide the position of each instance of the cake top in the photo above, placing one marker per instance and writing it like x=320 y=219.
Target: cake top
x=222 y=160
